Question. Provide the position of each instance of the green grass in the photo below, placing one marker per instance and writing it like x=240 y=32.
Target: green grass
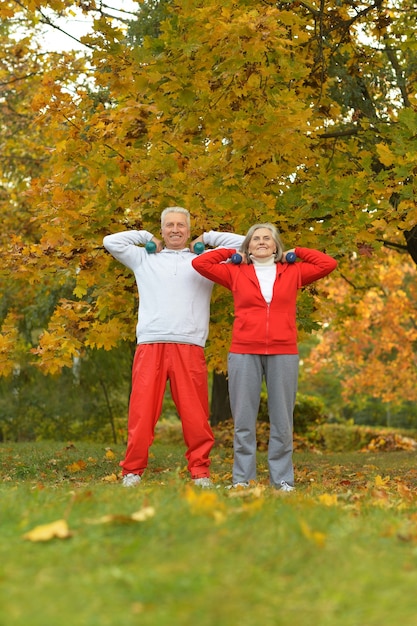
x=341 y=551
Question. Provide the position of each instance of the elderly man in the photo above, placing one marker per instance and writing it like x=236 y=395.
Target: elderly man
x=172 y=328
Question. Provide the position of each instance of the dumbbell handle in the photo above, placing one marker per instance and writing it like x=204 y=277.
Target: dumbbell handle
x=236 y=258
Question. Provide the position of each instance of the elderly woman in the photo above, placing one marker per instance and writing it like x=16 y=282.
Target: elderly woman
x=264 y=342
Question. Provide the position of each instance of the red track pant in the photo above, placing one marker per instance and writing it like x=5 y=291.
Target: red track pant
x=185 y=367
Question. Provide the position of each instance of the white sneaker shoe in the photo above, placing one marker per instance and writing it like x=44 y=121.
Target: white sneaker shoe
x=204 y=482
x=131 y=480
x=286 y=487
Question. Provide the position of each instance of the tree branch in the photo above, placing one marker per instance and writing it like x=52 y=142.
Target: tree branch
x=48 y=22
x=398 y=74
x=348 y=132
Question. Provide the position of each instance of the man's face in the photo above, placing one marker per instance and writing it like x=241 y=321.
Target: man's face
x=175 y=231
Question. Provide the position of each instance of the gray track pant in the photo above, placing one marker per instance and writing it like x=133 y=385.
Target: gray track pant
x=246 y=372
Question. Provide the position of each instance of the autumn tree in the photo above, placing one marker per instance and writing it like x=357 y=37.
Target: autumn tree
x=300 y=114
x=373 y=343
x=35 y=279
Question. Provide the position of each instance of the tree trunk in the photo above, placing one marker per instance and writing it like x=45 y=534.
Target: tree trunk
x=411 y=239
x=220 y=405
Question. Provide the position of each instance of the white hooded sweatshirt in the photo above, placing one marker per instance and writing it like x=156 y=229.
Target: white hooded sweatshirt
x=174 y=299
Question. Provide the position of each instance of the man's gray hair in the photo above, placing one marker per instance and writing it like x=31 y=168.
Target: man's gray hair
x=176 y=209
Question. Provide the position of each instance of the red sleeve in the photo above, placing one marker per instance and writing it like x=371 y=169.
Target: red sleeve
x=314 y=264
x=211 y=264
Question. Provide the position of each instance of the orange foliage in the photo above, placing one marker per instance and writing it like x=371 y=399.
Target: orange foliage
x=372 y=334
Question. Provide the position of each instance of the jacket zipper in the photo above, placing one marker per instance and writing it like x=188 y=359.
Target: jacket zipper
x=267 y=328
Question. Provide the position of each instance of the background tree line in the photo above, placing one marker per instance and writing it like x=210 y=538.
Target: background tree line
x=303 y=114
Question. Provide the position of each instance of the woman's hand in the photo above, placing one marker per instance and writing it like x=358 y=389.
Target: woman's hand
x=284 y=256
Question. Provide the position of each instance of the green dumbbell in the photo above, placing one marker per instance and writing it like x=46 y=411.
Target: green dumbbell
x=150 y=247
x=199 y=247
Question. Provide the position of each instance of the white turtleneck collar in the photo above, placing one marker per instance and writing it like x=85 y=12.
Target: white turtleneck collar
x=267 y=261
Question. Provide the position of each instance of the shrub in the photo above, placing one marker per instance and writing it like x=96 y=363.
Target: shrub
x=308 y=412
x=342 y=437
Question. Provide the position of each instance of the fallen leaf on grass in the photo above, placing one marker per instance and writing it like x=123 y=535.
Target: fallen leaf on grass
x=382 y=482
x=405 y=492
x=205 y=502
x=244 y=492
x=111 y=478
x=77 y=466
x=329 y=499
x=110 y=454
x=139 y=516
x=381 y=498
x=143 y=514
x=46 y=532
x=315 y=536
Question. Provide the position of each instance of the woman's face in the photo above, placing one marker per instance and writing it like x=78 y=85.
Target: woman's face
x=262 y=244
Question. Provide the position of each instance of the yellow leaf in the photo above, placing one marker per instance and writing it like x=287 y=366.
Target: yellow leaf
x=382 y=482
x=46 y=532
x=110 y=454
x=328 y=499
x=80 y=291
x=111 y=478
x=385 y=154
x=315 y=536
x=205 y=502
x=143 y=514
x=77 y=466
x=61 y=146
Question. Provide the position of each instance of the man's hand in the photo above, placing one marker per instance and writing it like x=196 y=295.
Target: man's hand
x=197 y=240
x=159 y=244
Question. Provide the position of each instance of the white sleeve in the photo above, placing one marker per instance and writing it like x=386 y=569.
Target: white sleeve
x=216 y=239
x=124 y=246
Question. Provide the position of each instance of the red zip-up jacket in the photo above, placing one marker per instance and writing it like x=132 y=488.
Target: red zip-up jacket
x=259 y=327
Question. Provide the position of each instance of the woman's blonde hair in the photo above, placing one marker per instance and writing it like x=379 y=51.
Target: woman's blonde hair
x=275 y=236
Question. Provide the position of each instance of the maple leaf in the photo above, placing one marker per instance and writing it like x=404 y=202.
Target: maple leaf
x=382 y=482
x=103 y=335
x=77 y=466
x=365 y=249
x=206 y=502
x=405 y=491
x=328 y=499
x=111 y=478
x=314 y=536
x=58 y=529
